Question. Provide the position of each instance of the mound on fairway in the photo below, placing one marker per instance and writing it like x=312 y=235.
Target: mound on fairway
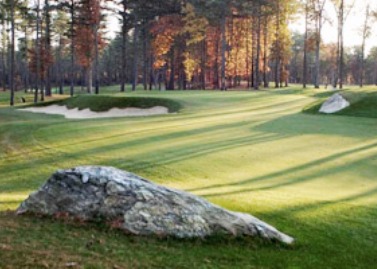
x=85 y=107
x=362 y=104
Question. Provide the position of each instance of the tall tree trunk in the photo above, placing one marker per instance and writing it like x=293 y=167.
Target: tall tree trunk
x=223 y=50
x=319 y=24
x=38 y=52
x=4 y=74
x=164 y=78
x=247 y=58
x=145 y=57
x=3 y=55
x=136 y=56
x=43 y=88
x=317 y=53
x=229 y=55
x=47 y=46
x=27 y=74
x=96 y=67
x=305 y=66
x=362 y=64
x=256 y=83
x=60 y=69
x=89 y=79
x=336 y=73
x=365 y=36
x=341 y=59
x=152 y=75
x=265 y=48
x=171 y=84
x=72 y=10
x=253 y=39
x=203 y=65
x=216 y=71
x=12 y=59
x=277 y=46
x=181 y=47
x=124 y=47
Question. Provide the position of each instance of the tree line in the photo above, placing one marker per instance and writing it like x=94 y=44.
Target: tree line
x=173 y=44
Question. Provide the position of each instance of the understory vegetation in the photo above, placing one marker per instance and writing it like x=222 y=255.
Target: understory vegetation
x=311 y=176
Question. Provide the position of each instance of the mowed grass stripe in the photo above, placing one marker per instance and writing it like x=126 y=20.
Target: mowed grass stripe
x=311 y=176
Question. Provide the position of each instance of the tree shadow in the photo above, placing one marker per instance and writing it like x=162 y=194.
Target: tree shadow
x=176 y=122
x=146 y=160
x=295 y=170
x=286 y=211
x=326 y=173
x=304 y=124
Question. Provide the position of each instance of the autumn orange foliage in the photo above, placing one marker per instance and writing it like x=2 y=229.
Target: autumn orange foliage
x=45 y=59
x=85 y=33
x=164 y=32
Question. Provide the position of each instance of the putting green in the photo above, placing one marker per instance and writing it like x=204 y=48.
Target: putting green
x=311 y=176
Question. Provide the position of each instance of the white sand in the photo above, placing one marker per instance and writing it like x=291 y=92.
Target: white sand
x=334 y=104
x=88 y=114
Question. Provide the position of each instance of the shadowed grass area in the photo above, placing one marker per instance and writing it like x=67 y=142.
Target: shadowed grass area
x=311 y=176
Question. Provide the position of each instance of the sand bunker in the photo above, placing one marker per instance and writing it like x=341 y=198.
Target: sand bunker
x=88 y=114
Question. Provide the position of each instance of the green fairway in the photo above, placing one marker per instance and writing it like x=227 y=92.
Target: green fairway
x=311 y=176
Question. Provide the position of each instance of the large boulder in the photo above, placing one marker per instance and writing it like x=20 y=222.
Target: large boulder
x=139 y=206
x=334 y=104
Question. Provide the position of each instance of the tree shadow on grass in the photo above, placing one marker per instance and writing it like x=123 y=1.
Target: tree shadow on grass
x=283 y=127
x=142 y=162
x=293 y=171
x=326 y=173
x=138 y=162
x=286 y=211
x=302 y=124
x=175 y=123
x=208 y=119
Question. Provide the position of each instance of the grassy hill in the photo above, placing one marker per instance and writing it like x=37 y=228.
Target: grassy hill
x=311 y=176
x=362 y=104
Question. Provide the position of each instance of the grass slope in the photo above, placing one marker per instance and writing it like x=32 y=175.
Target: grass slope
x=313 y=177
x=363 y=104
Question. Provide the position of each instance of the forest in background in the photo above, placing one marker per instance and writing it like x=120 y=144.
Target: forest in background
x=49 y=46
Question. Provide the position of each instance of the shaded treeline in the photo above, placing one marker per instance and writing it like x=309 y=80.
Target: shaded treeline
x=175 y=44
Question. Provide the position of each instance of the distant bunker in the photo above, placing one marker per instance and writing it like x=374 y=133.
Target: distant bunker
x=92 y=107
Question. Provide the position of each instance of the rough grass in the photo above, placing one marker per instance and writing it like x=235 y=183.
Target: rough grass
x=311 y=176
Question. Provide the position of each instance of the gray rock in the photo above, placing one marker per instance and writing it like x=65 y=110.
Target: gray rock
x=140 y=206
x=334 y=104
